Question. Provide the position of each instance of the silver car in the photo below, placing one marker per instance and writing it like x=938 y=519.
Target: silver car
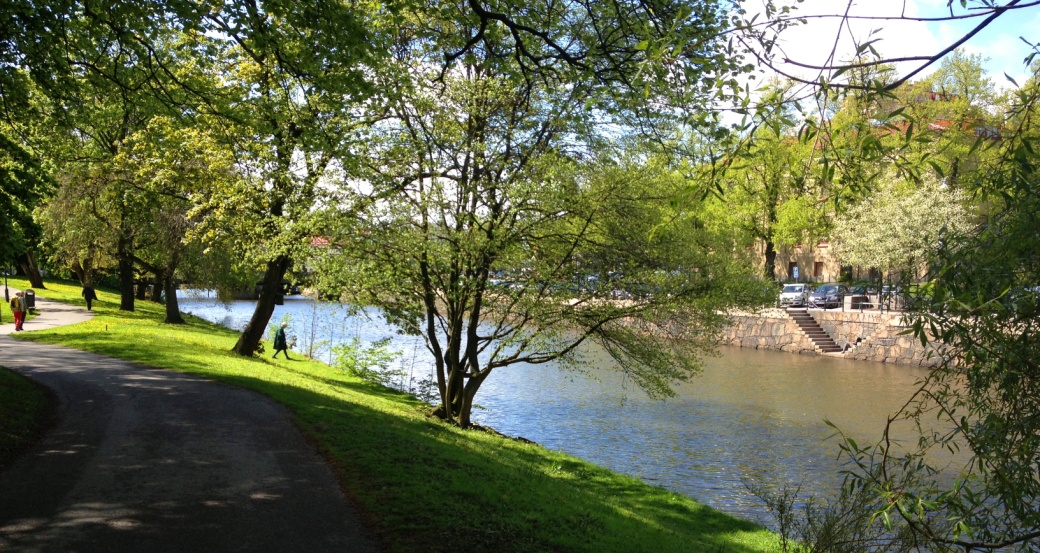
x=795 y=295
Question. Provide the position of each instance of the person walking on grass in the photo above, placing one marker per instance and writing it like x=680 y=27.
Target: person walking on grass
x=89 y=295
x=280 y=344
x=18 y=310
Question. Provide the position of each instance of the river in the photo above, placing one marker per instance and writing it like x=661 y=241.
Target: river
x=751 y=414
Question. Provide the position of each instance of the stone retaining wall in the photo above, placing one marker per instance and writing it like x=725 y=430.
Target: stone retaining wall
x=772 y=330
x=868 y=336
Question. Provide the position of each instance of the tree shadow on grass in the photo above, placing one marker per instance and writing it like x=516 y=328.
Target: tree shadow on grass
x=428 y=486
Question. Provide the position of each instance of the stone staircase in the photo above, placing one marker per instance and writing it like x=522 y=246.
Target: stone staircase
x=823 y=342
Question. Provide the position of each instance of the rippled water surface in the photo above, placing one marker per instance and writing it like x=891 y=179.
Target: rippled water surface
x=750 y=414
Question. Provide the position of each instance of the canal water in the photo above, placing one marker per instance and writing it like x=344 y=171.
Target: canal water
x=751 y=415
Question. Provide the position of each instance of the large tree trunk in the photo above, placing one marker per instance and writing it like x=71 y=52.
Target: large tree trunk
x=269 y=292
x=84 y=268
x=126 y=284
x=27 y=261
x=770 y=260
x=173 y=312
x=457 y=398
x=141 y=291
x=81 y=273
x=125 y=257
x=467 y=400
x=160 y=285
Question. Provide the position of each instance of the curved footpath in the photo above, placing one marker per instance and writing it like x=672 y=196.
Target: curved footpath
x=142 y=459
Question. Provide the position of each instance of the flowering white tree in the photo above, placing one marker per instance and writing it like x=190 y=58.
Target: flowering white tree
x=896 y=227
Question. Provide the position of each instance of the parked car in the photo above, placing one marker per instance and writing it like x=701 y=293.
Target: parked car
x=862 y=290
x=795 y=295
x=829 y=295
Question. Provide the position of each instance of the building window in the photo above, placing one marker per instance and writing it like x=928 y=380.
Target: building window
x=817 y=269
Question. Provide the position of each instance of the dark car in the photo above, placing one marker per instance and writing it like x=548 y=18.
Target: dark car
x=829 y=295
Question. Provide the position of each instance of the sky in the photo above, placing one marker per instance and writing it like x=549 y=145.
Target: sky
x=999 y=42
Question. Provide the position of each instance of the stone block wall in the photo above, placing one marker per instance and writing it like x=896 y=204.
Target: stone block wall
x=869 y=335
x=773 y=331
x=890 y=344
x=854 y=327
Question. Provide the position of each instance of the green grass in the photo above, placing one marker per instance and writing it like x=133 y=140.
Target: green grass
x=6 y=317
x=25 y=411
x=423 y=485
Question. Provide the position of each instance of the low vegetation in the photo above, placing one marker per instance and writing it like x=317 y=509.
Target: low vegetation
x=422 y=484
x=25 y=409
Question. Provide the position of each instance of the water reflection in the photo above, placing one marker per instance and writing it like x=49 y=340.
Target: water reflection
x=751 y=414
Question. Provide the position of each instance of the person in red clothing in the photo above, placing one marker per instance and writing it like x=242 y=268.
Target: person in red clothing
x=18 y=309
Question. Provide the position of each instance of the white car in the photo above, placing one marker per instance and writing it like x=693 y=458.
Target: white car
x=795 y=295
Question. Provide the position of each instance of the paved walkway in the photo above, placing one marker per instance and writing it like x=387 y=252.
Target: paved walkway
x=149 y=460
x=50 y=315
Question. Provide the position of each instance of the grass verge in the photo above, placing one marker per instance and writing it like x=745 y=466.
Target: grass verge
x=423 y=485
x=25 y=412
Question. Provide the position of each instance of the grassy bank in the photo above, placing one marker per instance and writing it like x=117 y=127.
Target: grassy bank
x=25 y=411
x=423 y=485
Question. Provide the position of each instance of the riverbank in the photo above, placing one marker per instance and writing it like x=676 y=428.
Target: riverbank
x=864 y=335
x=423 y=485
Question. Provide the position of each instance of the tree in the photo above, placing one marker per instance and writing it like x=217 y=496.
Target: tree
x=492 y=231
x=770 y=192
x=977 y=306
x=23 y=184
x=981 y=304
x=954 y=118
x=172 y=164
x=898 y=228
x=291 y=75
x=84 y=145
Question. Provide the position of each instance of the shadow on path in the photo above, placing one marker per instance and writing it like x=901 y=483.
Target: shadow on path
x=142 y=459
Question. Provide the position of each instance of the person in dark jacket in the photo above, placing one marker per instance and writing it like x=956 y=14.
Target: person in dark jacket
x=89 y=295
x=280 y=344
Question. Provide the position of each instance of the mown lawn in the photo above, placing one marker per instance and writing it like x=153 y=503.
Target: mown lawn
x=421 y=484
x=25 y=411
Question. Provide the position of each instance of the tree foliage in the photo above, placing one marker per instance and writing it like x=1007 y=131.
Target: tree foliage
x=23 y=184
x=966 y=479
x=900 y=226
x=771 y=191
x=493 y=230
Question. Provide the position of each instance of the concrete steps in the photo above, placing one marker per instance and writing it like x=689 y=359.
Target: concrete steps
x=821 y=340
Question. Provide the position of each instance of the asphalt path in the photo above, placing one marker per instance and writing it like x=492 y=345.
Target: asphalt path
x=148 y=460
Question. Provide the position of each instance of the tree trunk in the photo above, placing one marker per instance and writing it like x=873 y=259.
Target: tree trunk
x=141 y=290
x=27 y=261
x=470 y=391
x=126 y=284
x=160 y=285
x=770 y=260
x=125 y=257
x=269 y=292
x=173 y=312
x=81 y=273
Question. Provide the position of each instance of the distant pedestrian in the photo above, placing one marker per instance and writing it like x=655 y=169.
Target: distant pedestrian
x=280 y=344
x=89 y=295
x=18 y=309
